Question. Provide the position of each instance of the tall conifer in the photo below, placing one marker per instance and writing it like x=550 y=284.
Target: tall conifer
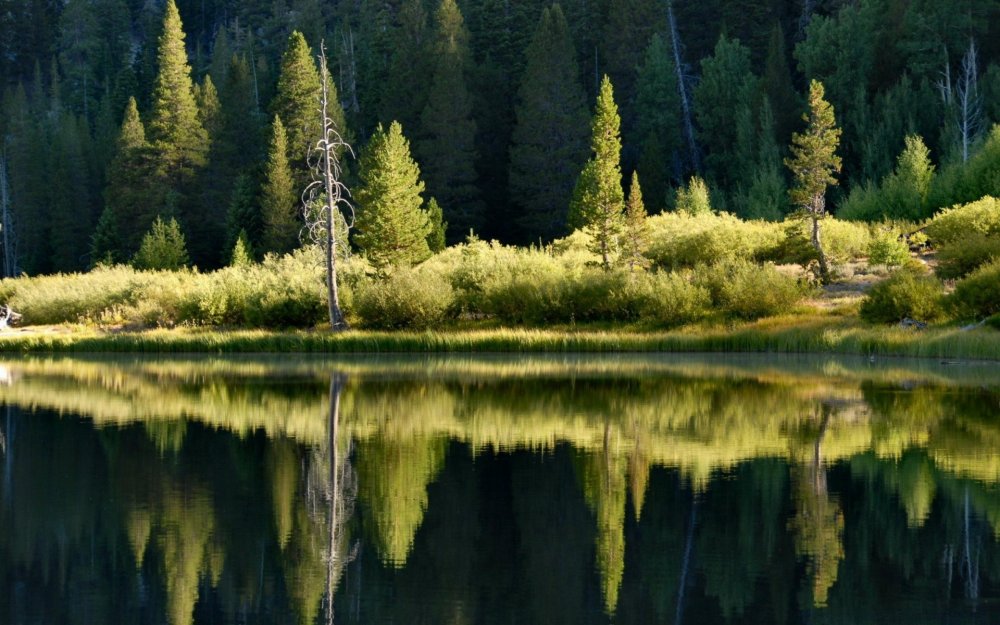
x=278 y=200
x=598 y=200
x=447 y=148
x=549 y=138
x=391 y=227
x=175 y=129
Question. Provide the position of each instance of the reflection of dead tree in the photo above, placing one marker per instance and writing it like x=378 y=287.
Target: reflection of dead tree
x=970 y=561
x=686 y=562
x=331 y=494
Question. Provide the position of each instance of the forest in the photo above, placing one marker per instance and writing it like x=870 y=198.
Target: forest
x=178 y=133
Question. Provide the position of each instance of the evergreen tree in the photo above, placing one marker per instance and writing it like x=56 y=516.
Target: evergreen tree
x=278 y=199
x=132 y=195
x=658 y=133
x=447 y=148
x=598 y=200
x=68 y=203
x=175 y=128
x=105 y=243
x=241 y=255
x=411 y=67
x=814 y=164
x=296 y=103
x=391 y=227
x=548 y=142
x=778 y=85
x=636 y=229
x=694 y=199
x=727 y=89
x=435 y=216
x=243 y=216
x=207 y=99
x=163 y=248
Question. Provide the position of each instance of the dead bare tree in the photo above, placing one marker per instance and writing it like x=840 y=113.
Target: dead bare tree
x=683 y=86
x=326 y=200
x=962 y=97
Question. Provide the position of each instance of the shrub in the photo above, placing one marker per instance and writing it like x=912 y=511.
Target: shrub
x=978 y=295
x=678 y=240
x=843 y=241
x=958 y=222
x=906 y=294
x=748 y=290
x=672 y=299
x=694 y=199
x=887 y=248
x=405 y=298
x=962 y=257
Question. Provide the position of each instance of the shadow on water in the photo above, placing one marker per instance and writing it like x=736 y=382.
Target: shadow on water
x=498 y=489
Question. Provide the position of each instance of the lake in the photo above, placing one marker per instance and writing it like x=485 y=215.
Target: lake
x=498 y=490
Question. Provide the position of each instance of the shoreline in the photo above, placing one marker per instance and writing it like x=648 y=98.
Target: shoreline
x=810 y=336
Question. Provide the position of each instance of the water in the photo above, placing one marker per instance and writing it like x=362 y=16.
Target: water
x=632 y=489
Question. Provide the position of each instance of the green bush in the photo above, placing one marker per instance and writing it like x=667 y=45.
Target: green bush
x=978 y=295
x=962 y=257
x=679 y=240
x=748 y=290
x=958 y=222
x=672 y=299
x=887 y=248
x=413 y=298
x=906 y=294
x=843 y=241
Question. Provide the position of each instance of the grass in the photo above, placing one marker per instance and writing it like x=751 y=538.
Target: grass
x=791 y=334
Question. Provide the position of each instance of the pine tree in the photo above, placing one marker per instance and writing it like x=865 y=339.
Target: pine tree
x=438 y=226
x=241 y=255
x=598 y=200
x=814 y=164
x=777 y=84
x=658 y=134
x=549 y=138
x=132 y=195
x=209 y=108
x=175 y=128
x=447 y=146
x=243 y=214
x=163 y=247
x=694 y=199
x=105 y=243
x=278 y=200
x=410 y=69
x=296 y=102
x=391 y=227
x=636 y=228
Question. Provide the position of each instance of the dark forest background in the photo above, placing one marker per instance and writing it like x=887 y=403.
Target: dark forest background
x=892 y=68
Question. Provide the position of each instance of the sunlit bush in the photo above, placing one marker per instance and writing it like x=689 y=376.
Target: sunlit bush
x=405 y=297
x=679 y=240
x=962 y=257
x=906 y=294
x=748 y=290
x=673 y=299
x=842 y=241
x=958 y=222
x=978 y=296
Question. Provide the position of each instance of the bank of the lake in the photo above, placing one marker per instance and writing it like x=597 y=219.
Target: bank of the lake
x=820 y=335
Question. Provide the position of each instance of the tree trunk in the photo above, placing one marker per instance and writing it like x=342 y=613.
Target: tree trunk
x=332 y=186
x=682 y=87
x=824 y=267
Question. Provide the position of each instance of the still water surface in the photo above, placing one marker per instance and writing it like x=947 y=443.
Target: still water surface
x=499 y=490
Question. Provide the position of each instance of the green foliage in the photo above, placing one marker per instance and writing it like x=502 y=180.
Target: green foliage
x=391 y=226
x=598 y=200
x=406 y=297
x=678 y=240
x=658 y=131
x=296 y=100
x=447 y=130
x=843 y=241
x=902 y=195
x=960 y=258
x=814 y=161
x=960 y=182
x=888 y=248
x=636 y=230
x=278 y=197
x=163 y=247
x=241 y=255
x=548 y=144
x=438 y=227
x=905 y=294
x=105 y=243
x=748 y=290
x=978 y=295
x=176 y=128
x=953 y=224
x=694 y=199
x=674 y=299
